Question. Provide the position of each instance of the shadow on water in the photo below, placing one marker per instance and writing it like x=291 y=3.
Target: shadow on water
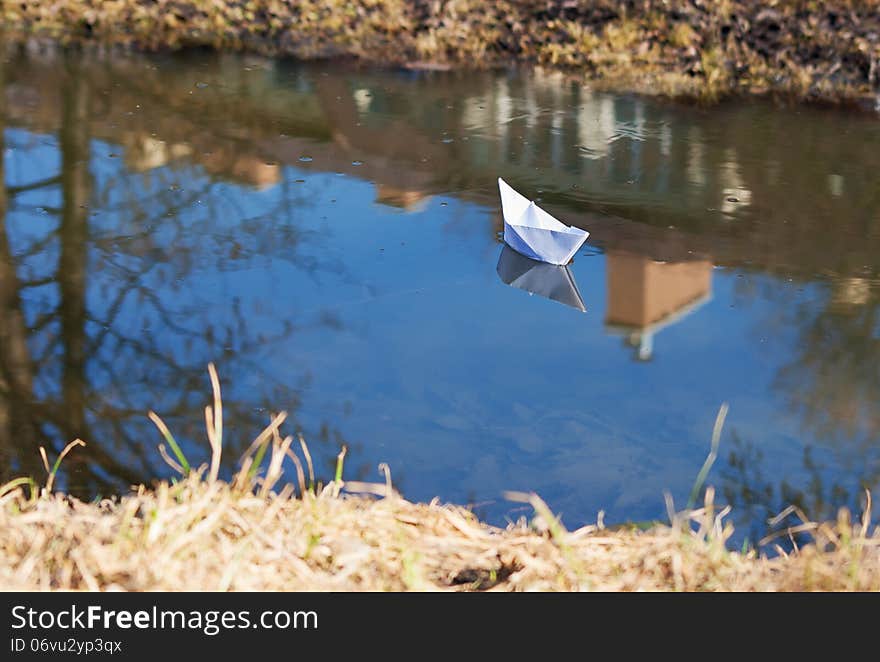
x=323 y=233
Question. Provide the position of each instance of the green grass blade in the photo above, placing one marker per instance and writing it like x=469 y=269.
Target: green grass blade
x=258 y=459
x=181 y=458
x=710 y=459
x=13 y=484
x=340 y=460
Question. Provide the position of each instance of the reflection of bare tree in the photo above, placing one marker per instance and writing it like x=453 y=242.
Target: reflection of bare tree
x=15 y=364
x=76 y=187
x=833 y=382
x=109 y=341
x=832 y=385
x=756 y=498
x=27 y=425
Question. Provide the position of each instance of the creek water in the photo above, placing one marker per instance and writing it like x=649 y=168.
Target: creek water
x=329 y=237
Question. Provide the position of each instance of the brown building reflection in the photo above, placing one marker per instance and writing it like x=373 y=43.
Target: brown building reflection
x=645 y=296
x=406 y=199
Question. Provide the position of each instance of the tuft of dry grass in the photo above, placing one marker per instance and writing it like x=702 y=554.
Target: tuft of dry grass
x=253 y=533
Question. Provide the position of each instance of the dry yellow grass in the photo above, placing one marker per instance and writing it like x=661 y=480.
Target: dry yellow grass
x=205 y=534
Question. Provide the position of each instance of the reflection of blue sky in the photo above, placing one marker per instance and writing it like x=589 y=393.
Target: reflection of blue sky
x=408 y=343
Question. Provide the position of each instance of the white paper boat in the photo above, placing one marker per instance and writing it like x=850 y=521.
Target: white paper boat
x=530 y=230
x=547 y=280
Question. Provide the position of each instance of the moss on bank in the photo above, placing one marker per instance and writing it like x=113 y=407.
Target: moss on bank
x=820 y=51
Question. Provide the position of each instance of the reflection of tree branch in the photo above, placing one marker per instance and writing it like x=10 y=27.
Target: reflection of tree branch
x=755 y=499
x=106 y=323
x=38 y=282
x=37 y=247
x=33 y=186
x=50 y=349
x=831 y=384
x=140 y=217
x=41 y=321
x=49 y=210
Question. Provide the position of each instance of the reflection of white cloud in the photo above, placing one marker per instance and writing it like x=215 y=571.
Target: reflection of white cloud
x=851 y=292
x=734 y=192
x=503 y=105
x=731 y=198
x=362 y=99
x=145 y=153
x=696 y=161
x=531 y=106
x=474 y=114
x=556 y=138
x=549 y=83
x=494 y=113
x=835 y=185
x=665 y=140
x=639 y=123
x=596 y=126
x=773 y=170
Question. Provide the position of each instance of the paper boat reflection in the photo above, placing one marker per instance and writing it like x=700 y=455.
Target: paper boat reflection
x=547 y=280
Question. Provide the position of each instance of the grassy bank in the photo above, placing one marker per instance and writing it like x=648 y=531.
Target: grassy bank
x=255 y=533
x=820 y=51
x=201 y=534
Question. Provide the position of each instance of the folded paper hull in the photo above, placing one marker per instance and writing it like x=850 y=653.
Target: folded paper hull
x=533 y=232
x=547 y=280
x=543 y=245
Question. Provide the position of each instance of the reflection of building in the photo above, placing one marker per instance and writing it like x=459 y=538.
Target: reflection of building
x=143 y=153
x=849 y=293
x=645 y=296
x=246 y=169
x=406 y=199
